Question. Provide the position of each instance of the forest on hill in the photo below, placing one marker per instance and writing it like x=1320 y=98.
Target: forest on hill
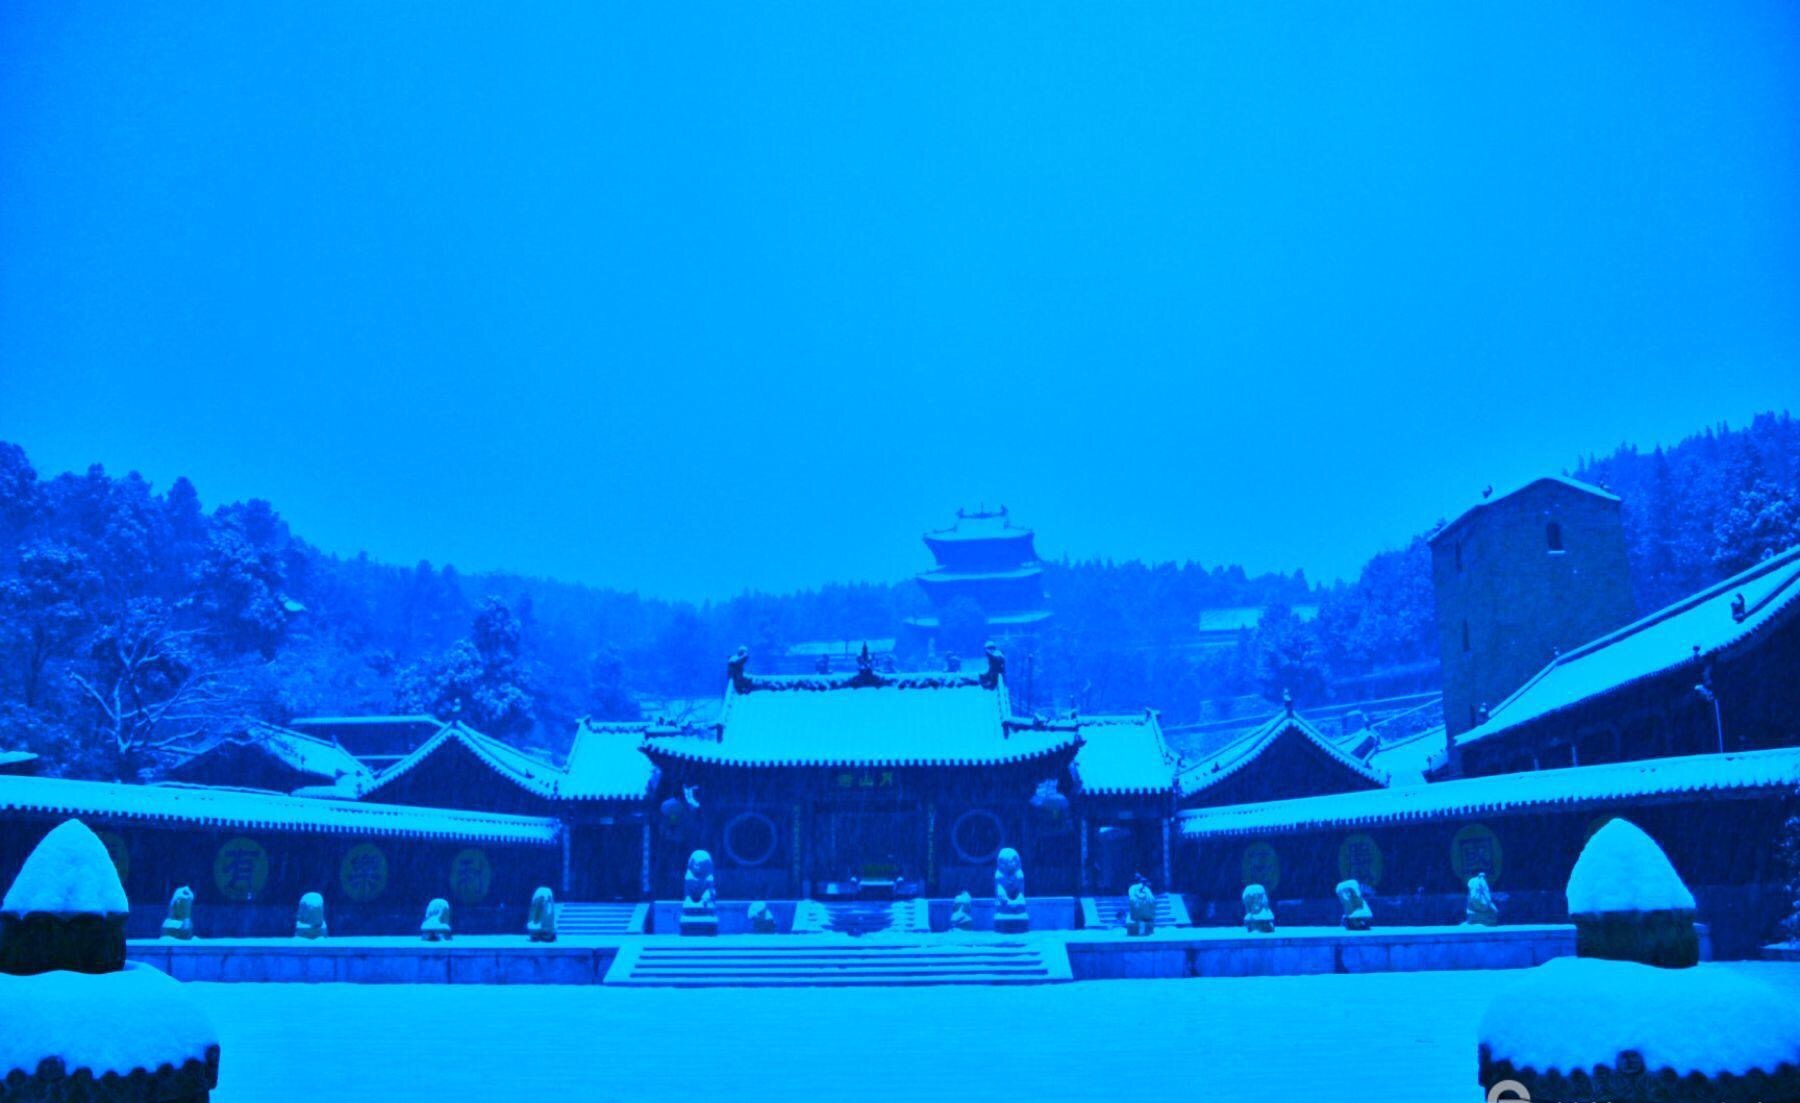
x=135 y=622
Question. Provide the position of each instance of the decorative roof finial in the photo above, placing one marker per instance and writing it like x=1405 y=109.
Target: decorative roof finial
x=864 y=661
x=1738 y=609
x=1487 y=492
x=1287 y=703
x=734 y=669
x=996 y=660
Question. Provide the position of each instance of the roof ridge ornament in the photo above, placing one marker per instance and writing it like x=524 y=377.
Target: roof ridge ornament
x=996 y=669
x=1739 y=610
x=734 y=669
x=1287 y=703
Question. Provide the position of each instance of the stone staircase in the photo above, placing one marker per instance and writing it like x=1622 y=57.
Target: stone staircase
x=776 y=961
x=1109 y=911
x=578 y=920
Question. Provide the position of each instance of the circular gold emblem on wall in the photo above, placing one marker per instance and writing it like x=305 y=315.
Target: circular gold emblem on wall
x=1359 y=858
x=470 y=876
x=118 y=852
x=363 y=874
x=1262 y=866
x=241 y=868
x=1476 y=849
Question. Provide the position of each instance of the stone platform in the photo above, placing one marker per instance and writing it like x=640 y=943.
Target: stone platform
x=834 y=960
x=474 y=959
x=1295 y=951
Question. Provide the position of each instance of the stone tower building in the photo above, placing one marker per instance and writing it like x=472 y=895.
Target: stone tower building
x=1519 y=578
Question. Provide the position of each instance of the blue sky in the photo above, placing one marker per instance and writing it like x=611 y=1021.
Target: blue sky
x=718 y=296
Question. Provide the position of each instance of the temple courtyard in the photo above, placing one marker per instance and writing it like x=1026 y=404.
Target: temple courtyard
x=1399 y=1037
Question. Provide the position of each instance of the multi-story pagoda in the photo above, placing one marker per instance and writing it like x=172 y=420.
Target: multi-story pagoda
x=987 y=560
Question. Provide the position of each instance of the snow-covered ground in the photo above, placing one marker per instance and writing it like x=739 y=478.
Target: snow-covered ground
x=1399 y=1037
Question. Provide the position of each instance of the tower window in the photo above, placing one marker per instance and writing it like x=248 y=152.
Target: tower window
x=1465 y=627
x=1553 y=536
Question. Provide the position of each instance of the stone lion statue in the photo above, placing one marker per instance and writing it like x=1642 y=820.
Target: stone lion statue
x=962 y=912
x=1357 y=915
x=1258 y=916
x=540 y=923
x=1481 y=910
x=436 y=927
x=309 y=918
x=699 y=892
x=1011 y=915
x=1140 y=908
x=180 y=922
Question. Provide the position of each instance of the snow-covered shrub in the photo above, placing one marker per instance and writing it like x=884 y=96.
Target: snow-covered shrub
x=1628 y=903
x=66 y=909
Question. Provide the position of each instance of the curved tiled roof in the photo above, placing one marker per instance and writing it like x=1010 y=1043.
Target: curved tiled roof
x=903 y=720
x=607 y=762
x=1232 y=758
x=245 y=809
x=1696 y=627
x=531 y=774
x=1122 y=755
x=1772 y=771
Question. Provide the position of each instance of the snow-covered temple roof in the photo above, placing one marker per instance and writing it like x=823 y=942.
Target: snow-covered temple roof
x=1697 y=627
x=1124 y=755
x=866 y=719
x=251 y=810
x=607 y=762
x=1746 y=771
x=1492 y=499
x=527 y=772
x=336 y=768
x=1234 y=757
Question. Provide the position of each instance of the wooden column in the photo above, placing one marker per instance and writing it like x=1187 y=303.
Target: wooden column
x=1168 y=870
x=1085 y=885
x=567 y=863
x=644 y=862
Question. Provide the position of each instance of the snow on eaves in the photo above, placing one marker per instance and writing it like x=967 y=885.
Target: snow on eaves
x=211 y=806
x=1688 y=631
x=1124 y=755
x=1775 y=770
x=1232 y=758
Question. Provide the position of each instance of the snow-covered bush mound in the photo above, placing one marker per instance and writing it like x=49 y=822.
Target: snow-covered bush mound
x=69 y=873
x=1634 y=1022
x=111 y=1022
x=1621 y=869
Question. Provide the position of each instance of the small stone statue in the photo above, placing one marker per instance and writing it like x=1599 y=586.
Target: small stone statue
x=762 y=918
x=1481 y=911
x=309 y=920
x=1140 y=908
x=180 y=923
x=699 y=898
x=1011 y=916
x=962 y=912
x=540 y=922
x=436 y=927
x=1357 y=915
x=1259 y=918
